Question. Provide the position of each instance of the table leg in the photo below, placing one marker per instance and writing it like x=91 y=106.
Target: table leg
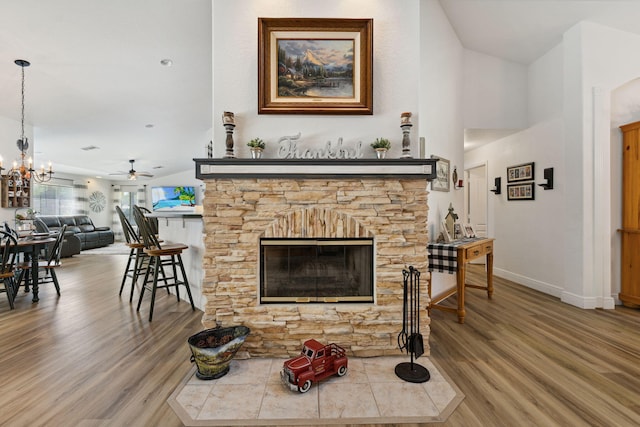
x=34 y=273
x=490 y=274
x=460 y=278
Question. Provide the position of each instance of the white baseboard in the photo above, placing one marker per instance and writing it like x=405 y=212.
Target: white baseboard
x=556 y=291
x=546 y=288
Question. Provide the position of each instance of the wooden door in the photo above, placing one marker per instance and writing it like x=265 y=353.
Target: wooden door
x=630 y=241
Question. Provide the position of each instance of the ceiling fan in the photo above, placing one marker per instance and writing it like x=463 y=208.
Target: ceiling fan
x=132 y=175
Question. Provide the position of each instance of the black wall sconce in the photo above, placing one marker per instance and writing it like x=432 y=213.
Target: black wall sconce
x=548 y=176
x=497 y=188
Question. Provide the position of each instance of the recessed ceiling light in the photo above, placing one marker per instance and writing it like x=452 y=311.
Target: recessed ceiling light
x=166 y=62
x=149 y=126
x=90 y=147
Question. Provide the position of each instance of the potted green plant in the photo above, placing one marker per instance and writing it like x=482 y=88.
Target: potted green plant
x=256 y=145
x=381 y=145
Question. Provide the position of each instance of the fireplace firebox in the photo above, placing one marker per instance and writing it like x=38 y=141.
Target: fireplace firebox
x=316 y=270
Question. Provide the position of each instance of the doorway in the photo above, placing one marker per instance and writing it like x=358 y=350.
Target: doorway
x=476 y=194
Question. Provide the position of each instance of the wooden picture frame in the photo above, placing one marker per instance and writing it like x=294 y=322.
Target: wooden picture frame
x=523 y=172
x=441 y=181
x=523 y=191
x=315 y=66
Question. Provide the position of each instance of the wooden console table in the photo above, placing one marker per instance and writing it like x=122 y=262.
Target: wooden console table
x=453 y=257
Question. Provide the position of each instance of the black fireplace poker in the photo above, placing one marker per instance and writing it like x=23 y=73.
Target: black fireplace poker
x=410 y=338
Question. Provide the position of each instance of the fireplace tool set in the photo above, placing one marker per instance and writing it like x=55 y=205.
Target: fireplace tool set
x=410 y=339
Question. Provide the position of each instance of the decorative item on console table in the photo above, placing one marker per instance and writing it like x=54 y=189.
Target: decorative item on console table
x=469 y=231
x=381 y=146
x=256 y=146
x=451 y=218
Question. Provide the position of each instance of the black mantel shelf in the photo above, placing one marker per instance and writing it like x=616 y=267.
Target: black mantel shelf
x=316 y=168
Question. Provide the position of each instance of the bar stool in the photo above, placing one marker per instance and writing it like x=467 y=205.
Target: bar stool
x=137 y=256
x=160 y=256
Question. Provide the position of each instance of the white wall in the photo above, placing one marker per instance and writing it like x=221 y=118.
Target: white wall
x=529 y=247
x=597 y=61
x=495 y=92
x=570 y=129
x=545 y=86
x=396 y=74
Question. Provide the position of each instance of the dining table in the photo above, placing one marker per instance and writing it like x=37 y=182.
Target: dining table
x=31 y=246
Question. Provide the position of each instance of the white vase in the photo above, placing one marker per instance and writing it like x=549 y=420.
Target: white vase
x=381 y=153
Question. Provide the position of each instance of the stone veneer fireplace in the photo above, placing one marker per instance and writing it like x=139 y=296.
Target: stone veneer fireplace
x=383 y=201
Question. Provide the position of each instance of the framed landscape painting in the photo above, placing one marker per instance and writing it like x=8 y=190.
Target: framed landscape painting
x=315 y=66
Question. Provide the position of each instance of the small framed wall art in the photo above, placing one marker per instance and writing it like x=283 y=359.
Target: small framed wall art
x=441 y=182
x=523 y=172
x=524 y=191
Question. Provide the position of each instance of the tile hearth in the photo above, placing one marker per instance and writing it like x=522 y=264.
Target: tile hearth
x=252 y=394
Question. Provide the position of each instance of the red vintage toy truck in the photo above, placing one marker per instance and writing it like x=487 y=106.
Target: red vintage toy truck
x=315 y=362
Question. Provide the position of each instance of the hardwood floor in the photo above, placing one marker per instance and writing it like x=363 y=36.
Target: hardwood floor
x=523 y=358
x=88 y=358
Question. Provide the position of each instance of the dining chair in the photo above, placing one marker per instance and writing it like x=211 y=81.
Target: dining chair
x=161 y=255
x=8 y=254
x=137 y=256
x=49 y=264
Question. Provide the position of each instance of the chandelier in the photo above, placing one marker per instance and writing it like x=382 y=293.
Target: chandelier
x=24 y=170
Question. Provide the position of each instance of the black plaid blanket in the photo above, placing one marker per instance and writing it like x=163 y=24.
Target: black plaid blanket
x=443 y=257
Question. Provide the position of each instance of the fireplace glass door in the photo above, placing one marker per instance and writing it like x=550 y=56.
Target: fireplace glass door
x=316 y=270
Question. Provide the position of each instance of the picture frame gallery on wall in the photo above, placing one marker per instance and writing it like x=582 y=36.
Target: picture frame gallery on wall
x=315 y=66
x=522 y=187
x=522 y=191
x=523 y=172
